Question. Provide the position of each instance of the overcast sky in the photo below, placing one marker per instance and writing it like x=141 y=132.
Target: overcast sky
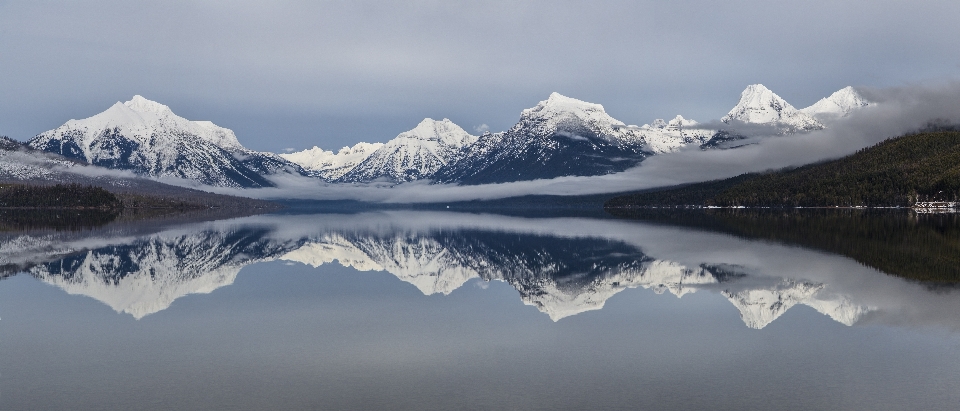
x=329 y=73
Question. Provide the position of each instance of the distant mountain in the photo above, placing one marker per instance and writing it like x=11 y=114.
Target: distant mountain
x=413 y=155
x=147 y=138
x=328 y=165
x=561 y=136
x=838 y=104
x=762 y=113
x=668 y=136
x=759 y=105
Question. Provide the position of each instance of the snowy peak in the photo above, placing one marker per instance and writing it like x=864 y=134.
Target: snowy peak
x=329 y=165
x=558 y=108
x=679 y=122
x=147 y=138
x=444 y=132
x=760 y=105
x=413 y=155
x=658 y=123
x=576 y=119
x=559 y=102
x=141 y=105
x=141 y=119
x=838 y=104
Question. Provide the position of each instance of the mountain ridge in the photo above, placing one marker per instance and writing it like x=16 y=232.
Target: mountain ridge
x=147 y=138
x=560 y=136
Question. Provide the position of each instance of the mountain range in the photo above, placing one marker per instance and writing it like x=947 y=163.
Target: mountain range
x=560 y=136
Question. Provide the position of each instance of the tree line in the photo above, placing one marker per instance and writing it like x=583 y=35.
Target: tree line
x=900 y=171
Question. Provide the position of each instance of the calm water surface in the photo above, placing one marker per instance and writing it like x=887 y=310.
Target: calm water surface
x=436 y=310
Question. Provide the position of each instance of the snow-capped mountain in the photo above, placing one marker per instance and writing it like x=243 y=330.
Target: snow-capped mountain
x=147 y=138
x=838 y=104
x=759 y=105
x=665 y=137
x=414 y=154
x=329 y=165
x=560 y=136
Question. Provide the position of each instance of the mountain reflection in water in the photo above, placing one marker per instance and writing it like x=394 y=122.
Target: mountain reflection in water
x=561 y=266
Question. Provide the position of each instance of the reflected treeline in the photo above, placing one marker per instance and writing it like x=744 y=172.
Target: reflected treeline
x=56 y=219
x=923 y=247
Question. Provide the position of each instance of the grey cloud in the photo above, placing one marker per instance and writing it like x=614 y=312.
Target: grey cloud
x=738 y=127
x=299 y=74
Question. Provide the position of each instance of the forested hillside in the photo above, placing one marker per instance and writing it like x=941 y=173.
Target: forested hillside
x=897 y=172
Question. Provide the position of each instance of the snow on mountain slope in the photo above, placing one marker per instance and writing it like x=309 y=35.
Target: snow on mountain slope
x=838 y=104
x=575 y=119
x=563 y=136
x=148 y=138
x=414 y=154
x=665 y=137
x=329 y=165
x=759 y=105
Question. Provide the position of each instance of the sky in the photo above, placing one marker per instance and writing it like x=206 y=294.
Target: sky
x=330 y=73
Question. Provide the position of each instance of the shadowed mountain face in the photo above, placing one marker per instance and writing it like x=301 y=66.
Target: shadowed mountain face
x=562 y=267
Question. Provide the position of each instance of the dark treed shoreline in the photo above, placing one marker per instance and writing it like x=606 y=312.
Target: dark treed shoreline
x=899 y=172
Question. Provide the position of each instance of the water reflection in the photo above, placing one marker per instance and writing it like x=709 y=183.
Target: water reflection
x=561 y=266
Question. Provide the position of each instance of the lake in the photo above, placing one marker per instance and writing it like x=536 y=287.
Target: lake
x=400 y=309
